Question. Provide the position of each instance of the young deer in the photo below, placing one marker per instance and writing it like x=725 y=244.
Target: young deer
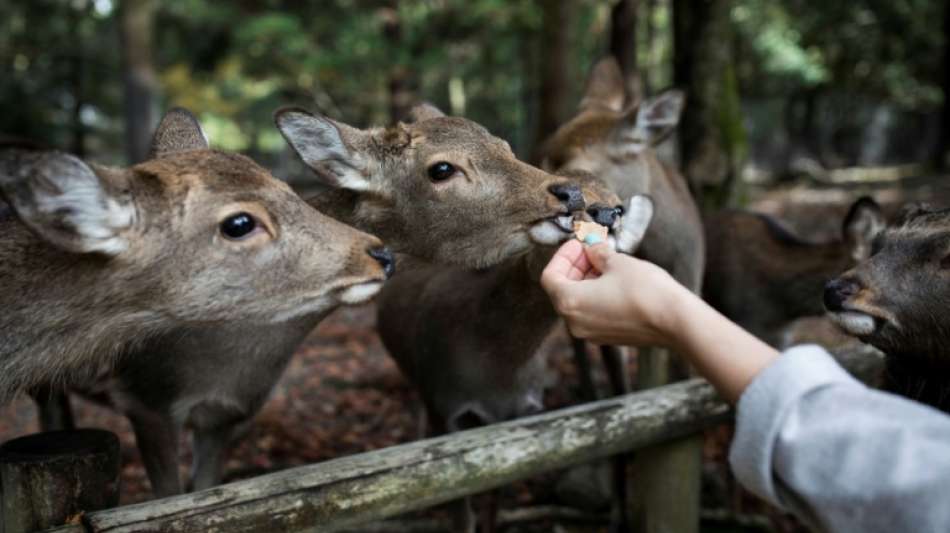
x=100 y=260
x=469 y=340
x=614 y=136
x=436 y=188
x=896 y=300
x=763 y=277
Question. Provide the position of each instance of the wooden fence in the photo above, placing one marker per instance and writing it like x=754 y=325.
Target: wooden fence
x=342 y=493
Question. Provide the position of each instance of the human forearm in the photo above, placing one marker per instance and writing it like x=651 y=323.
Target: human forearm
x=725 y=354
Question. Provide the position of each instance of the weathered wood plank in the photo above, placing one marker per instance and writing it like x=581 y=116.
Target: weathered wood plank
x=48 y=478
x=371 y=486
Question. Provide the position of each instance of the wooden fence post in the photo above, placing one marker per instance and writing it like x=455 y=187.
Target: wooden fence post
x=667 y=478
x=46 y=478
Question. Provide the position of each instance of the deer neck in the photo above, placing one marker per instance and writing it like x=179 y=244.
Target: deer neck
x=519 y=306
x=83 y=311
x=360 y=210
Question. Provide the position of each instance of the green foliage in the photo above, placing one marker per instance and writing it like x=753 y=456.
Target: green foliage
x=888 y=49
x=234 y=63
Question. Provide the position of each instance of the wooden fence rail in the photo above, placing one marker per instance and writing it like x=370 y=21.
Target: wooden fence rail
x=366 y=487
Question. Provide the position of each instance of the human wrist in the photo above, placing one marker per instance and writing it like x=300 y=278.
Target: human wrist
x=674 y=319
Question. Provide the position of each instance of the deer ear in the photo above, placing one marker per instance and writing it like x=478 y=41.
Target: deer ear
x=636 y=221
x=425 y=111
x=605 y=86
x=65 y=202
x=863 y=221
x=179 y=131
x=320 y=143
x=650 y=123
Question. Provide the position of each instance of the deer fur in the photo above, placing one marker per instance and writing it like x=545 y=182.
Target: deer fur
x=469 y=340
x=99 y=260
x=215 y=379
x=763 y=277
x=895 y=299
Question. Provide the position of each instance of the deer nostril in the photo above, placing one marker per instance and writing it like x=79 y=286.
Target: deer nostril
x=605 y=216
x=837 y=291
x=385 y=258
x=569 y=194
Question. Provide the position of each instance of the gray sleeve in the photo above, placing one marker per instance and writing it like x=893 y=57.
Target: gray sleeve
x=843 y=457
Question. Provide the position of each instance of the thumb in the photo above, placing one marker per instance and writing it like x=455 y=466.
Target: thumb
x=599 y=256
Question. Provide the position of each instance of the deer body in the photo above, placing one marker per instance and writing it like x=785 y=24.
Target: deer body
x=433 y=188
x=469 y=340
x=763 y=277
x=99 y=260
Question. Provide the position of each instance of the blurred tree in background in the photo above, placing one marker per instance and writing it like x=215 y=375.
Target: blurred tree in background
x=777 y=87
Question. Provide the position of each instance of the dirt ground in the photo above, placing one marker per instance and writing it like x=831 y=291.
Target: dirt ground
x=342 y=394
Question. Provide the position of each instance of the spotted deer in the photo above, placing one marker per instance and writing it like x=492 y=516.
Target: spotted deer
x=896 y=300
x=763 y=277
x=435 y=188
x=468 y=340
x=98 y=261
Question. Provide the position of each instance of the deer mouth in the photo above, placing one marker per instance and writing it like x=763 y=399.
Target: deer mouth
x=857 y=323
x=360 y=293
x=553 y=230
x=564 y=222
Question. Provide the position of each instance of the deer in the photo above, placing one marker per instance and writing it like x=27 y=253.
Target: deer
x=895 y=300
x=614 y=136
x=98 y=260
x=763 y=277
x=469 y=340
x=433 y=189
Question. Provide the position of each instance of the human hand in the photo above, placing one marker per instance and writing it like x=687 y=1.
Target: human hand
x=610 y=298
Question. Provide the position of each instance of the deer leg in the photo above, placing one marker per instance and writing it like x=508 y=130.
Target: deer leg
x=615 y=363
x=157 y=437
x=54 y=409
x=463 y=519
x=584 y=372
x=488 y=512
x=210 y=452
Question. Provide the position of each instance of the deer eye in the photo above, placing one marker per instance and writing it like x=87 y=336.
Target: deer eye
x=238 y=226
x=441 y=171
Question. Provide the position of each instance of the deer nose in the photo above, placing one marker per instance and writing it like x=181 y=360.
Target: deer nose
x=837 y=291
x=385 y=258
x=569 y=194
x=605 y=216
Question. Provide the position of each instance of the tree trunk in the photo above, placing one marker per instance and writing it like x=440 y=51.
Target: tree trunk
x=401 y=84
x=77 y=78
x=555 y=84
x=135 y=33
x=942 y=149
x=623 y=35
x=711 y=121
x=49 y=478
x=647 y=71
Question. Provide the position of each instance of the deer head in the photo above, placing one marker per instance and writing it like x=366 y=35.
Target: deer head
x=196 y=234
x=612 y=136
x=440 y=188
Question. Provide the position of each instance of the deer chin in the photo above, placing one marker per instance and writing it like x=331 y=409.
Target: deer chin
x=330 y=298
x=360 y=293
x=854 y=322
x=552 y=231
